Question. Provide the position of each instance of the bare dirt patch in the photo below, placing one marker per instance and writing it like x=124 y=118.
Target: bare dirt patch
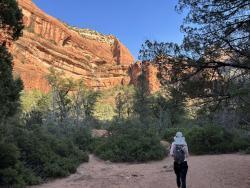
x=211 y=171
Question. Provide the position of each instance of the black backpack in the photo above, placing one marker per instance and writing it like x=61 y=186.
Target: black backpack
x=179 y=154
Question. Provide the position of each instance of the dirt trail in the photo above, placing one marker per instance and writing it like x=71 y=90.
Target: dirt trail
x=216 y=171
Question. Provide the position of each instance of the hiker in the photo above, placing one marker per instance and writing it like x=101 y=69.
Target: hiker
x=179 y=151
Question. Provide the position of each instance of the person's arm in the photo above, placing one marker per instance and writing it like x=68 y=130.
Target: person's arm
x=172 y=150
x=186 y=151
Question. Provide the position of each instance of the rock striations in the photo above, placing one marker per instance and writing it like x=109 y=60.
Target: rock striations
x=100 y=60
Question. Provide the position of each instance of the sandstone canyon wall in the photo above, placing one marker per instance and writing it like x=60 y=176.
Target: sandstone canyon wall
x=102 y=61
x=151 y=72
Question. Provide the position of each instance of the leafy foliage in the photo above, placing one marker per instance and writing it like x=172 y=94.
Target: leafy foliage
x=210 y=139
x=32 y=154
x=11 y=19
x=212 y=64
x=130 y=143
x=124 y=103
x=214 y=139
x=106 y=107
x=142 y=101
x=35 y=100
x=9 y=87
x=172 y=106
x=70 y=98
x=10 y=27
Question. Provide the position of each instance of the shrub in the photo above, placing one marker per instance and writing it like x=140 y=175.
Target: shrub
x=247 y=151
x=204 y=140
x=9 y=155
x=11 y=176
x=47 y=155
x=32 y=154
x=210 y=139
x=240 y=143
x=9 y=165
x=129 y=143
x=82 y=138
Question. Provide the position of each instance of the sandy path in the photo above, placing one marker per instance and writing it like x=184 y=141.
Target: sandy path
x=217 y=171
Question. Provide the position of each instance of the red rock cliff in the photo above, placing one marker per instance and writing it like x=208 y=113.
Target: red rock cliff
x=151 y=72
x=101 y=60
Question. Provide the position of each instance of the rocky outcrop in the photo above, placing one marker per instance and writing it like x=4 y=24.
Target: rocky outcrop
x=99 y=133
x=151 y=72
x=101 y=61
x=166 y=145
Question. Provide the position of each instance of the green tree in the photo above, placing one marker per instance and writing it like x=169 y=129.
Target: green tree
x=35 y=100
x=213 y=62
x=61 y=87
x=9 y=87
x=90 y=101
x=70 y=98
x=213 y=29
x=142 y=101
x=9 y=165
x=120 y=105
x=11 y=24
x=128 y=92
x=10 y=28
x=169 y=109
x=83 y=101
x=160 y=111
x=124 y=102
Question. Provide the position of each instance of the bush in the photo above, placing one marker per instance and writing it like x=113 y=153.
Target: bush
x=8 y=156
x=210 y=139
x=204 y=140
x=47 y=155
x=82 y=138
x=129 y=143
x=11 y=176
x=32 y=154
x=240 y=143
x=247 y=151
x=10 y=165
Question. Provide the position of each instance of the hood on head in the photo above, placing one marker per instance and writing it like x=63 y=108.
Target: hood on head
x=179 y=139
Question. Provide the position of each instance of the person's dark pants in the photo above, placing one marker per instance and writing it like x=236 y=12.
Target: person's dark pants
x=181 y=172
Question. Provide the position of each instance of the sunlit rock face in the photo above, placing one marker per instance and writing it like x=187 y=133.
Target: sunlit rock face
x=102 y=61
x=151 y=72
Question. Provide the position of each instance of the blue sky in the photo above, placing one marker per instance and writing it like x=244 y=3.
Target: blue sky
x=131 y=21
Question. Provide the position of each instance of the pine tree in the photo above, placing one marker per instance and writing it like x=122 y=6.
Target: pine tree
x=142 y=101
x=212 y=64
x=11 y=27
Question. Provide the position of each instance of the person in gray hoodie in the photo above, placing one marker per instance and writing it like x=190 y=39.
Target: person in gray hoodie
x=179 y=151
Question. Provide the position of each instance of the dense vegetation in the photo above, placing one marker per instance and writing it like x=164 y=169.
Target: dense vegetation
x=32 y=147
x=10 y=27
x=129 y=142
x=45 y=139
x=210 y=69
x=212 y=65
x=212 y=139
x=31 y=155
